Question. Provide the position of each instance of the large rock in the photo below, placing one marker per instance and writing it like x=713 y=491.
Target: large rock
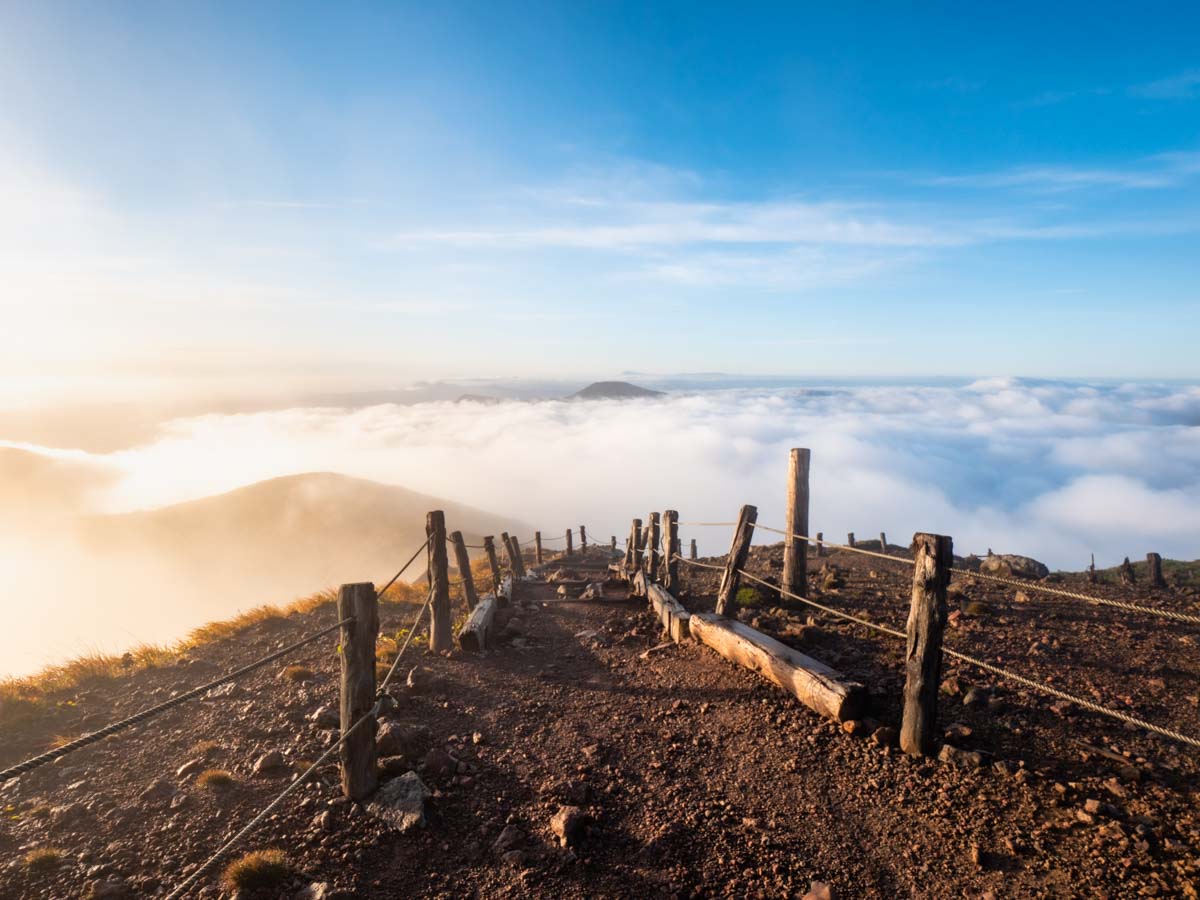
x=400 y=803
x=409 y=741
x=1011 y=565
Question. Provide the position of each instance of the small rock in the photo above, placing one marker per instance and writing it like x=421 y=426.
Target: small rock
x=510 y=838
x=819 y=890
x=962 y=759
x=157 y=790
x=854 y=727
x=958 y=730
x=423 y=681
x=326 y=717
x=191 y=767
x=400 y=802
x=396 y=739
x=110 y=889
x=440 y=764
x=974 y=697
x=514 y=859
x=567 y=825
x=270 y=762
x=885 y=736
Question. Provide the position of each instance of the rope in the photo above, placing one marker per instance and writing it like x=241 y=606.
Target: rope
x=835 y=612
x=411 y=631
x=1075 y=595
x=213 y=860
x=50 y=756
x=698 y=564
x=707 y=524
x=846 y=547
x=404 y=567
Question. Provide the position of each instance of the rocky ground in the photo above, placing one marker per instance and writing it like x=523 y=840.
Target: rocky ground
x=583 y=758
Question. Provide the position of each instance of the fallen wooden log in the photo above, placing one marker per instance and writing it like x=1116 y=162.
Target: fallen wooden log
x=810 y=681
x=473 y=636
x=675 y=619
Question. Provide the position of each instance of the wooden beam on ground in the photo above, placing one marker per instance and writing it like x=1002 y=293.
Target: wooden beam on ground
x=463 y=561
x=359 y=603
x=933 y=556
x=440 y=636
x=477 y=630
x=736 y=559
x=675 y=619
x=810 y=681
x=795 y=549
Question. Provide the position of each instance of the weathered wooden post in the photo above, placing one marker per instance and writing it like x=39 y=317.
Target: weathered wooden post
x=1092 y=570
x=518 y=558
x=653 y=543
x=583 y=539
x=635 y=545
x=358 y=603
x=489 y=547
x=671 y=568
x=613 y=544
x=463 y=562
x=1154 y=563
x=882 y=542
x=506 y=546
x=440 y=638
x=692 y=551
x=850 y=539
x=795 y=545
x=537 y=548
x=738 y=550
x=820 y=543
x=1127 y=573
x=570 y=548
x=933 y=557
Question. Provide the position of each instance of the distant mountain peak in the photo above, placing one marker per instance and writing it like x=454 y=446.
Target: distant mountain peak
x=619 y=390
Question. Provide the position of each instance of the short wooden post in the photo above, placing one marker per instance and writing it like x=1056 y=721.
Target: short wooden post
x=489 y=547
x=358 y=602
x=440 y=638
x=1127 y=573
x=933 y=557
x=463 y=561
x=582 y=538
x=635 y=545
x=795 y=545
x=671 y=542
x=1092 y=570
x=1154 y=563
x=613 y=544
x=570 y=548
x=820 y=543
x=518 y=558
x=850 y=539
x=882 y=542
x=537 y=548
x=738 y=550
x=692 y=551
x=653 y=542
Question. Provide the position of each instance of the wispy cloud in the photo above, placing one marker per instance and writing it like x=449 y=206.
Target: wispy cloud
x=1184 y=86
x=1061 y=178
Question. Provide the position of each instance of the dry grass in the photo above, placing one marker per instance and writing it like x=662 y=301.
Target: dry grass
x=205 y=748
x=258 y=871
x=43 y=859
x=296 y=674
x=215 y=779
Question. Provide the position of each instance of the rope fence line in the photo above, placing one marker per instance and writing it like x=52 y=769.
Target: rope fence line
x=57 y=753
x=834 y=612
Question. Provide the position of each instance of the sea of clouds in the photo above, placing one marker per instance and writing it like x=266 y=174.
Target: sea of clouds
x=1050 y=469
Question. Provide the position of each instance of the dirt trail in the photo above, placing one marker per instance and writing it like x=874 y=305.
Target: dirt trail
x=698 y=780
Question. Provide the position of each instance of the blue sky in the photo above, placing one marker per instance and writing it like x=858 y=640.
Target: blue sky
x=358 y=193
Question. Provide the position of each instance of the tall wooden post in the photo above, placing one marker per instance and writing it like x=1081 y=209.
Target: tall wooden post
x=738 y=550
x=933 y=556
x=882 y=542
x=820 y=543
x=582 y=538
x=653 y=542
x=489 y=547
x=358 y=637
x=850 y=539
x=1154 y=563
x=1092 y=570
x=635 y=548
x=795 y=545
x=463 y=562
x=671 y=542
x=692 y=551
x=440 y=638
x=570 y=548
x=537 y=548
x=517 y=557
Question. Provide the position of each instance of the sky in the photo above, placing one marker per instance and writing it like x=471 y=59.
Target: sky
x=351 y=195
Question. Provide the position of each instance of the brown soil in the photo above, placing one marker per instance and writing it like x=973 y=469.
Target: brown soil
x=698 y=778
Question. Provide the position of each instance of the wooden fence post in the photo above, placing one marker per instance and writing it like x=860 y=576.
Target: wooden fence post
x=358 y=602
x=570 y=548
x=652 y=544
x=795 y=549
x=463 y=562
x=692 y=551
x=882 y=542
x=933 y=556
x=582 y=538
x=518 y=557
x=820 y=545
x=850 y=539
x=440 y=638
x=635 y=547
x=537 y=548
x=1154 y=563
x=489 y=547
x=613 y=543
x=1092 y=570
x=738 y=549
x=671 y=568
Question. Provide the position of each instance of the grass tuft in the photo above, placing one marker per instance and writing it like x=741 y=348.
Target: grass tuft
x=215 y=779
x=43 y=859
x=257 y=871
x=747 y=597
x=296 y=674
